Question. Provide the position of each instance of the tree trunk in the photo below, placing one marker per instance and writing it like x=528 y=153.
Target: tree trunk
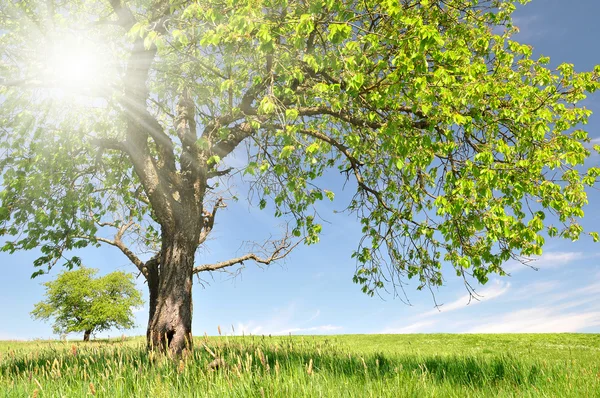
x=170 y=323
x=153 y=279
x=86 y=335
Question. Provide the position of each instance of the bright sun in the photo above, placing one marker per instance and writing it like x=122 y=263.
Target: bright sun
x=74 y=64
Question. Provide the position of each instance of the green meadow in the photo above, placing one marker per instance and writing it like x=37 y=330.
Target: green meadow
x=424 y=365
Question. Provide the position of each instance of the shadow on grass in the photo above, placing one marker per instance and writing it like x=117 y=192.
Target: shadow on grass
x=289 y=357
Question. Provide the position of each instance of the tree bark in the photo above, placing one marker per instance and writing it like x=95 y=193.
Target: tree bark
x=86 y=335
x=170 y=323
x=152 y=274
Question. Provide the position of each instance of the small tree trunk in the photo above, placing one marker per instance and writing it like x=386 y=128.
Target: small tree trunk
x=86 y=335
x=170 y=324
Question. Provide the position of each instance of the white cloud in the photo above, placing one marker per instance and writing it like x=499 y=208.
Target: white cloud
x=588 y=293
x=315 y=316
x=539 y=320
x=497 y=289
x=267 y=328
x=310 y=330
x=494 y=290
x=413 y=328
x=284 y=322
x=562 y=312
x=533 y=290
x=545 y=261
x=248 y=328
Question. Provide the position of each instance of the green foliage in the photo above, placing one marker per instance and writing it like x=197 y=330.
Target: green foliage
x=78 y=302
x=462 y=147
x=553 y=365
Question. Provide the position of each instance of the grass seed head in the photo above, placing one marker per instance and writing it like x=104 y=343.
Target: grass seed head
x=309 y=370
x=38 y=384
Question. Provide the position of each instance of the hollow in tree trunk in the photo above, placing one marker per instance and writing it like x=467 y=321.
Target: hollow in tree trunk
x=170 y=323
x=152 y=273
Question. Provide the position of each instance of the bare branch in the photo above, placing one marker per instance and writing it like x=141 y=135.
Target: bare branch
x=109 y=143
x=209 y=221
x=344 y=116
x=281 y=249
x=121 y=246
x=219 y=173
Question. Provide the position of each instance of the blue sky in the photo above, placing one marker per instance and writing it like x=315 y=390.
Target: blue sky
x=312 y=291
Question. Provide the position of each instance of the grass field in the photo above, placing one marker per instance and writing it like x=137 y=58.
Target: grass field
x=550 y=365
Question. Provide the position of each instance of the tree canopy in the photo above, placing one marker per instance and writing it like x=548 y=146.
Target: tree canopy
x=79 y=302
x=457 y=142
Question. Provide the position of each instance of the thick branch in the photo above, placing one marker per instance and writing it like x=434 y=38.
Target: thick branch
x=109 y=143
x=140 y=124
x=124 y=14
x=121 y=246
x=238 y=133
x=192 y=167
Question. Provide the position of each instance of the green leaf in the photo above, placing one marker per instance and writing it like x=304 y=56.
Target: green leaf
x=215 y=159
x=286 y=151
x=330 y=195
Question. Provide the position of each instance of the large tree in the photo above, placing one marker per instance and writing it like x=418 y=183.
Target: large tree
x=79 y=302
x=457 y=142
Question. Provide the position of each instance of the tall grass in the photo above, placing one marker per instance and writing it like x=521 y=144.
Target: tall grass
x=336 y=366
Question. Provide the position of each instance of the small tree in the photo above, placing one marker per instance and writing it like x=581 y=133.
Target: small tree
x=81 y=303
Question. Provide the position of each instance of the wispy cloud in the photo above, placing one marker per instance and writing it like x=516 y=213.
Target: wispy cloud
x=425 y=322
x=413 y=328
x=546 y=261
x=497 y=289
x=534 y=289
x=285 y=321
x=315 y=316
x=588 y=293
x=568 y=311
x=539 y=320
x=310 y=330
x=268 y=328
